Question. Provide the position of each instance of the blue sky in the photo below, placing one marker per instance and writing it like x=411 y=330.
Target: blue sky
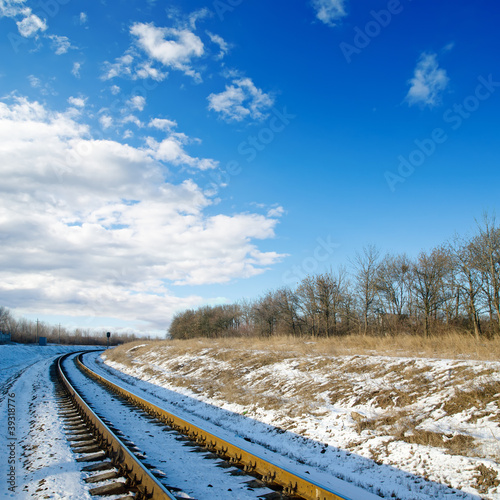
x=163 y=155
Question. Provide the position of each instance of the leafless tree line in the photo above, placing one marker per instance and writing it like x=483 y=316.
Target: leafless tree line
x=454 y=287
x=28 y=332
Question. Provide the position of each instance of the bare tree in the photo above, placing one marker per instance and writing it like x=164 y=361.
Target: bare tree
x=287 y=303
x=430 y=273
x=308 y=304
x=394 y=288
x=5 y=319
x=393 y=283
x=330 y=291
x=487 y=247
x=265 y=314
x=469 y=278
x=366 y=267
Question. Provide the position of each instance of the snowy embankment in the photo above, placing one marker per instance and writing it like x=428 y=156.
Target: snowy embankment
x=409 y=428
x=36 y=459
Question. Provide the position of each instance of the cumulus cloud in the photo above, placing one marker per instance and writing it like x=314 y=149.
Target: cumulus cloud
x=132 y=119
x=330 y=12
x=92 y=225
x=60 y=44
x=76 y=69
x=241 y=100
x=171 y=150
x=106 y=121
x=137 y=102
x=163 y=124
x=31 y=25
x=155 y=50
x=428 y=82
x=146 y=69
x=78 y=102
x=121 y=67
x=172 y=47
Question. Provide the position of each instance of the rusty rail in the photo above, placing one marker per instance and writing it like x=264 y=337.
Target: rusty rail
x=139 y=477
x=292 y=483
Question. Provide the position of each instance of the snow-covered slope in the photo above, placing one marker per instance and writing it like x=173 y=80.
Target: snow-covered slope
x=408 y=427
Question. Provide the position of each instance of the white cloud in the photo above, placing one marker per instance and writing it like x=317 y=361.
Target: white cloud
x=76 y=69
x=241 y=100
x=276 y=211
x=428 y=83
x=330 y=11
x=83 y=18
x=223 y=45
x=147 y=70
x=11 y=8
x=44 y=88
x=79 y=102
x=133 y=119
x=171 y=150
x=91 y=227
x=137 y=102
x=174 y=48
x=115 y=89
x=60 y=44
x=121 y=67
x=162 y=124
x=106 y=121
x=31 y=25
x=197 y=15
x=34 y=81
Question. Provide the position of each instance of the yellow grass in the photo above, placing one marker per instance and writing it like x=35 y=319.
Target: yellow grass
x=451 y=346
x=384 y=394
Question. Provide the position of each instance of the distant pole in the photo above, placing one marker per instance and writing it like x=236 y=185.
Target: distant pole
x=108 y=334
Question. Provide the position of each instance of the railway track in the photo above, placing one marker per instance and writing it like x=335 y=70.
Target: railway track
x=111 y=459
x=136 y=474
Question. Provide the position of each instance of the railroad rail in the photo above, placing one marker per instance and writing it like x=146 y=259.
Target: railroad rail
x=292 y=484
x=92 y=436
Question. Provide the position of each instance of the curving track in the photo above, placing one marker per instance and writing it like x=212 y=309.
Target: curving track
x=189 y=461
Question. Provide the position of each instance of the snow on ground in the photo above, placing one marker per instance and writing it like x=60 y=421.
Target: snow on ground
x=409 y=428
x=162 y=448
x=36 y=460
x=403 y=427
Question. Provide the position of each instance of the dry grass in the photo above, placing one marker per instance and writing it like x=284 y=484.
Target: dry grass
x=452 y=346
x=486 y=479
x=289 y=377
x=459 y=444
x=478 y=397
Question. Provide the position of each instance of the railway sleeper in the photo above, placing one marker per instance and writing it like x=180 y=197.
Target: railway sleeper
x=85 y=439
